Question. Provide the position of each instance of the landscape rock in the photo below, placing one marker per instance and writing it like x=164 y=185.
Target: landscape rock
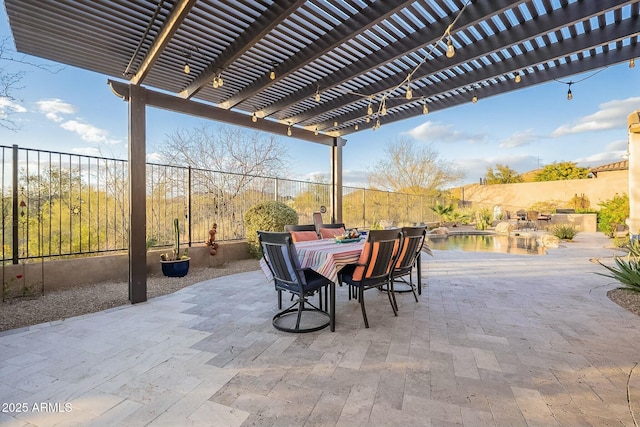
x=504 y=227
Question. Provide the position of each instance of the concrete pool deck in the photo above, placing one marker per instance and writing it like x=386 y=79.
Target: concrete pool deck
x=495 y=340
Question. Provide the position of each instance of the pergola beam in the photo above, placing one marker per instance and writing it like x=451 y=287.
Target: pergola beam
x=174 y=20
x=271 y=18
x=198 y=109
x=375 y=13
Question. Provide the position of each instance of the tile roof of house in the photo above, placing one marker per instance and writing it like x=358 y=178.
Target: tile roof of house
x=616 y=166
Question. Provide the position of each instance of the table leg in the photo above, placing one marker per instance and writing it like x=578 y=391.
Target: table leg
x=332 y=307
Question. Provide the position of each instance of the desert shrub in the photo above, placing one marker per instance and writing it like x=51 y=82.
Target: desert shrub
x=266 y=216
x=483 y=218
x=564 y=231
x=620 y=242
x=612 y=213
x=626 y=271
x=546 y=206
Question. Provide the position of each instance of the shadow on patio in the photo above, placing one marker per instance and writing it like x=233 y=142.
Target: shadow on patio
x=496 y=339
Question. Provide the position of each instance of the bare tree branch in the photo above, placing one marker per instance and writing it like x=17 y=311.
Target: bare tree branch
x=413 y=169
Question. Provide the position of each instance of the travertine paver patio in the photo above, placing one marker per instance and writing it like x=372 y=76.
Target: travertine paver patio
x=496 y=339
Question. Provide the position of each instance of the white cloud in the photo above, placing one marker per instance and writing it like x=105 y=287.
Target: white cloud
x=89 y=132
x=8 y=106
x=621 y=145
x=54 y=108
x=519 y=139
x=87 y=151
x=155 y=158
x=611 y=115
x=603 y=158
x=438 y=132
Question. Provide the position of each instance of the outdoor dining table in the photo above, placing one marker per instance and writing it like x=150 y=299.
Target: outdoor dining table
x=325 y=256
x=328 y=257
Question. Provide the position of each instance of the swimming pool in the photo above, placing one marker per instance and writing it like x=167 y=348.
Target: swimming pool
x=526 y=245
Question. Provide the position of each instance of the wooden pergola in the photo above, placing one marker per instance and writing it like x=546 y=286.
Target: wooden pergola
x=316 y=70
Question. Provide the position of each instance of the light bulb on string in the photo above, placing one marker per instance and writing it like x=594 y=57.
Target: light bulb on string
x=377 y=123
x=317 y=96
x=216 y=83
x=518 y=79
x=272 y=75
x=187 y=69
x=220 y=81
x=450 y=49
x=254 y=118
x=383 y=110
x=632 y=62
x=425 y=109
x=315 y=132
x=569 y=94
x=335 y=124
x=474 y=98
x=289 y=130
x=409 y=93
x=356 y=127
x=370 y=109
x=368 y=119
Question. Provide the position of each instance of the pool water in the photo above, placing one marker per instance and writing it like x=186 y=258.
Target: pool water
x=488 y=243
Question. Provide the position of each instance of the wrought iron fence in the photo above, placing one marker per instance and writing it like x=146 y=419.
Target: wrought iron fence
x=61 y=205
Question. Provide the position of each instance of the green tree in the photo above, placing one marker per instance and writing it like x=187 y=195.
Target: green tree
x=558 y=171
x=613 y=212
x=502 y=174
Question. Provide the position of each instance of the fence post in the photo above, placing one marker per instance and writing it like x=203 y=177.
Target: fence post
x=189 y=206
x=14 y=207
x=275 y=190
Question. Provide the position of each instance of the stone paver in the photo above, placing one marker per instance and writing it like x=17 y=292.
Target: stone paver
x=496 y=340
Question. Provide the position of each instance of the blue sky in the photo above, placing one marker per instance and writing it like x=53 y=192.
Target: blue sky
x=74 y=110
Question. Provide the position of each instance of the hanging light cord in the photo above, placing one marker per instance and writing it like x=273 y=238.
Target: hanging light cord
x=572 y=82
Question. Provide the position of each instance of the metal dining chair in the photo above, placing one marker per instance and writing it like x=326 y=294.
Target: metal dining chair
x=329 y=231
x=375 y=266
x=412 y=243
x=302 y=233
x=281 y=258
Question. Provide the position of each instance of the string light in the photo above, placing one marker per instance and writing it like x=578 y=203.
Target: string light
x=254 y=118
x=187 y=69
x=318 y=95
x=450 y=49
x=632 y=62
x=409 y=93
x=383 y=110
x=335 y=124
x=425 y=109
x=518 y=79
x=315 y=132
x=289 y=131
x=569 y=94
x=272 y=75
x=356 y=127
x=370 y=108
x=474 y=98
x=368 y=119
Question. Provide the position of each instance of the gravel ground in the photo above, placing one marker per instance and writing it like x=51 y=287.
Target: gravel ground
x=80 y=300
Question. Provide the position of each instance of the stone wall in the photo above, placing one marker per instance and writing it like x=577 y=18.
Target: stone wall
x=60 y=274
x=513 y=197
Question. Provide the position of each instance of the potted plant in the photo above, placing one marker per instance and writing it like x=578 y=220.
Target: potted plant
x=175 y=264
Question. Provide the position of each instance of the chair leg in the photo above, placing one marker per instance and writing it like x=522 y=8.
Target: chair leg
x=364 y=312
x=300 y=309
x=279 y=299
x=413 y=288
x=392 y=297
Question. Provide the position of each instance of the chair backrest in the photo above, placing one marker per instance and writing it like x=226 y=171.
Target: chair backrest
x=412 y=241
x=329 y=231
x=379 y=255
x=282 y=259
x=302 y=233
x=317 y=221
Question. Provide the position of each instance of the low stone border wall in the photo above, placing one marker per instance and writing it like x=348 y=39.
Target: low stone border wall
x=65 y=273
